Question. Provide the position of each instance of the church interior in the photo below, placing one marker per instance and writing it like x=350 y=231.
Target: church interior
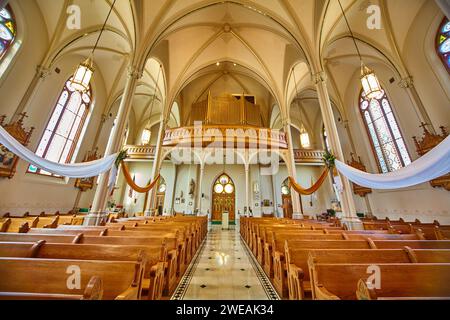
x=224 y=150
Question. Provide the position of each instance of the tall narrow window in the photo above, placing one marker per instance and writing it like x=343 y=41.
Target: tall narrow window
x=384 y=132
x=325 y=139
x=61 y=135
x=443 y=43
x=8 y=30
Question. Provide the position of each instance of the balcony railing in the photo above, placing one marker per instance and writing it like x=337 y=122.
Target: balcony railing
x=225 y=136
x=302 y=156
x=309 y=156
x=141 y=152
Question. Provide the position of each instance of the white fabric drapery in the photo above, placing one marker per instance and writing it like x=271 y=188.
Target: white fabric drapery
x=79 y=170
x=434 y=164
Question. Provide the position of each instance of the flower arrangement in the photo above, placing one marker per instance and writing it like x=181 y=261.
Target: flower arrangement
x=329 y=159
x=120 y=157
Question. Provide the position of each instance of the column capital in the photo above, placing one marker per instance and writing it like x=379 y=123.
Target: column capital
x=42 y=71
x=319 y=77
x=286 y=122
x=407 y=82
x=134 y=72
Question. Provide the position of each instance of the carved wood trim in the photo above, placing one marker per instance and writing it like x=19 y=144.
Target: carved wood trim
x=358 y=164
x=9 y=161
x=427 y=143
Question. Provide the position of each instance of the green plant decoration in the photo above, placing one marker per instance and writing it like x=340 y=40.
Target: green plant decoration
x=120 y=157
x=329 y=160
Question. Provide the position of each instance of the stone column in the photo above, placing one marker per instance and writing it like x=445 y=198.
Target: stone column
x=247 y=186
x=151 y=205
x=348 y=205
x=200 y=187
x=292 y=171
x=407 y=83
x=98 y=210
x=41 y=73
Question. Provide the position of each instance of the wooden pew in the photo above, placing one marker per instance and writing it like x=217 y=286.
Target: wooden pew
x=297 y=279
x=47 y=222
x=26 y=237
x=274 y=251
x=93 y=291
x=93 y=232
x=21 y=225
x=400 y=286
x=414 y=244
x=4 y=224
x=28 y=276
x=340 y=281
x=171 y=267
x=300 y=272
x=153 y=282
x=417 y=236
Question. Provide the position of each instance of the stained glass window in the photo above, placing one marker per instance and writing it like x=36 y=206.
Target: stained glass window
x=443 y=43
x=162 y=187
x=224 y=185
x=325 y=139
x=63 y=130
x=285 y=190
x=8 y=30
x=384 y=132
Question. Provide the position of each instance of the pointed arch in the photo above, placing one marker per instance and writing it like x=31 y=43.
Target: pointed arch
x=61 y=136
x=443 y=43
x=384 y=133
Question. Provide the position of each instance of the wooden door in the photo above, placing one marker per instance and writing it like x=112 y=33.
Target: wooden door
x=224 y=198
x=287 y=206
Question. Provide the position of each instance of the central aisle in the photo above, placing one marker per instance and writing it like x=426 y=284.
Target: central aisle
x=224 y=269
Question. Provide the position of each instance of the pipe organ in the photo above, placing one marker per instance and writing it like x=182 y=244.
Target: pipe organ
x=226 y=109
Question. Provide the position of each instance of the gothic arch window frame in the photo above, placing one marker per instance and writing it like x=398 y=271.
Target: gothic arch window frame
x=229 y=182
x=445 y=34
x=9 y=56
x=382 y=156
x=53 y=125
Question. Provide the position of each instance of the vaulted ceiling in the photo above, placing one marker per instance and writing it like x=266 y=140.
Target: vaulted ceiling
x=177 y=42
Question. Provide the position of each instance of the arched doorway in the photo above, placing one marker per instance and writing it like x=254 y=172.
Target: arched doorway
x=286 y=199
x=161 y=195
x=224 y=198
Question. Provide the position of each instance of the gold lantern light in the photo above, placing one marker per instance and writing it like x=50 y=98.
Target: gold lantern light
x=84 y=72
x=369 y=80
x=370 y=83
x=146 y=136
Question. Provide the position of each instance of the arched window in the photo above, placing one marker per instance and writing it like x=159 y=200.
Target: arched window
x=285 y=190
x=325 y=139
x=8 y=30
x=384 y=132
x=224 y=185
x=443 y=43
x=61 y=135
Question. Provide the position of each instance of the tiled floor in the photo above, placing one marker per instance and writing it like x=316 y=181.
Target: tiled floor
x=224 y=270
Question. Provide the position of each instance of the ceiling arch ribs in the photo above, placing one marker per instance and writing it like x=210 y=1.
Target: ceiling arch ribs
x=81 y=35
x=152 y=41
x=123 y=23
x=388 y=60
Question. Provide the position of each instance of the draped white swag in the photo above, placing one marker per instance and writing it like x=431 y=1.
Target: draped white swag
x=77 y=170
x=434 y=164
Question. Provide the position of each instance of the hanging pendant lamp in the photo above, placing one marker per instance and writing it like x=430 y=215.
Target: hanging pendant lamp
x=369 y=80
x=83 y=74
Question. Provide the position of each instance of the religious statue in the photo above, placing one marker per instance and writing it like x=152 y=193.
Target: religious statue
x=192 y=188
